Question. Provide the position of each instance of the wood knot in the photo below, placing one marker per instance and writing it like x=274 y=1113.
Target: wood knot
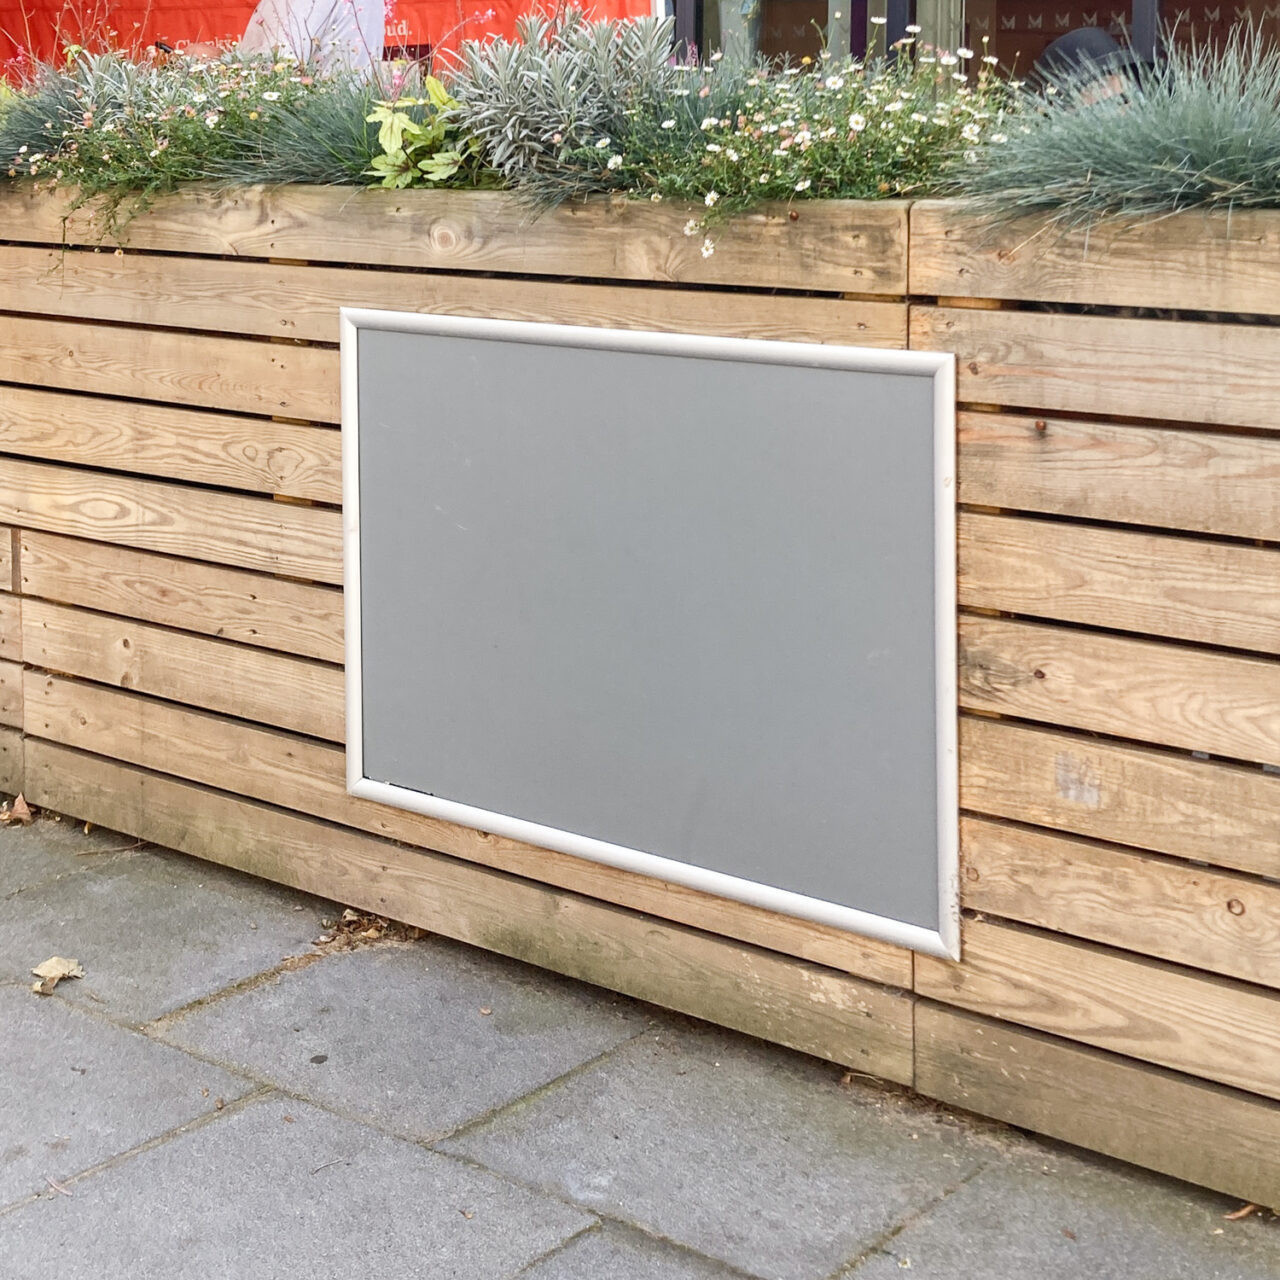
x=1235 y=906
x=1041 y=425
x=971 y=873
x=973 y=366
x=1038 y=673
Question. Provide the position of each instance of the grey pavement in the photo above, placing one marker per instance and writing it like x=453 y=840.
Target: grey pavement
x=220 y=1096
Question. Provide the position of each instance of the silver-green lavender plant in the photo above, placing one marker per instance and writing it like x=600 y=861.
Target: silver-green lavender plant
x=563 y=81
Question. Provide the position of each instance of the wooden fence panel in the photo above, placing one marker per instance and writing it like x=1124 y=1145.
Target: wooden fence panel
x=226 y=528
x=271 y=299
x=275 y=688
x=1200 y=481
x=1221 y=814
x=1226 y=374
x=1212 y=920
x=232 y=604
x=1190 y=589
x=1208 y=1027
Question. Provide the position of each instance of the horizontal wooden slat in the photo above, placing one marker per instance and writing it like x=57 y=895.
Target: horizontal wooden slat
x=11 y=694
x=831 y=245
x=791 y=1002
x=1209 y=482
x=11 y=627
x=1208 y=1027
x=1220 y=703
x=1222 y=814
x=310 y=777
x=274 y=688
x=281 y=300
x=1213 y=920
x=234 y=529
x=1226 y=374
x=173 y=443
x=1199 y=1132
x=11 y=779
x=172 y=368
x=232 y=604
x=1214 y=593
x=1196 y=261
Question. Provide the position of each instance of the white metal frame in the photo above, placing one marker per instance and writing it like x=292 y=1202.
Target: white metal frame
x=940 y=367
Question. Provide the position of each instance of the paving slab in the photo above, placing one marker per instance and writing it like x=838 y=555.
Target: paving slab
x=1064 y=1217
x=50 y=848
x=732 y=1148
x=611 y=1252
x=416 y=1037
x=154 y=932
x=280 y=1190
x=76 y=1090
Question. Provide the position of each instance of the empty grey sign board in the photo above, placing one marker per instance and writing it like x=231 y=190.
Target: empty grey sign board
x=684 y=605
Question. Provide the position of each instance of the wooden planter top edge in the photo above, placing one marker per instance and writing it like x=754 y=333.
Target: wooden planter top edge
x=821 y=246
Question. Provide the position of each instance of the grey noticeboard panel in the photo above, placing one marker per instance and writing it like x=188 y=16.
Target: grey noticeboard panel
x=684 y=605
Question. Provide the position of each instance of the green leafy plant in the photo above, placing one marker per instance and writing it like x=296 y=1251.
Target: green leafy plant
x=418 y=140
x=1200 y=129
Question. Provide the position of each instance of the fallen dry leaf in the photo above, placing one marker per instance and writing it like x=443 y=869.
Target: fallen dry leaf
x=1242 y=1212
x=53 y=971
x=485 y=1012
x=19 y=811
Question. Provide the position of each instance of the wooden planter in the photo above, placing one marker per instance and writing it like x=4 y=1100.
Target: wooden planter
x=171 y=648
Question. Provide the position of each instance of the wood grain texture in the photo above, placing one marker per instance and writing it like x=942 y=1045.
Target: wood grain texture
x=1190 y=589
x=275 y=688
x=173 y=368
x=1208 y=1027
x=831 y=245
x=174 y=444
x=11 y=745
x=11 y=694
x=11 y=628
x=1201 y=700
x=787 y=1001
x=1212 y=920
x=310 y=777
x=1202 y=1133
x=226 y=528
x=1221 y=814
x=1209 y=482
x=232 y=604
x=280 y=300
x=6 y=558
x=1224 y=374
x=1196 y=261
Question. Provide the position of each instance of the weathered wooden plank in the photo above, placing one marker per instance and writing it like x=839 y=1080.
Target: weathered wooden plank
x=816 y=1010
x=11 y=778
x=6 y=558
x=1210 y=482
x=232 y=604
x=173 y=368
x=1195 y=261
x=274 y=688
x=1226 y=374
x=11 y=694
x=1222 y=814
x=1208 y=1027
x=295 y=301
x=830 y=245
x=226 y=528
x=11 y=628
x=1214 y=593
x=175 y=444
x=1203 y=1133
x=1220 y=703
x=1214 y=920
x=309 y=777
